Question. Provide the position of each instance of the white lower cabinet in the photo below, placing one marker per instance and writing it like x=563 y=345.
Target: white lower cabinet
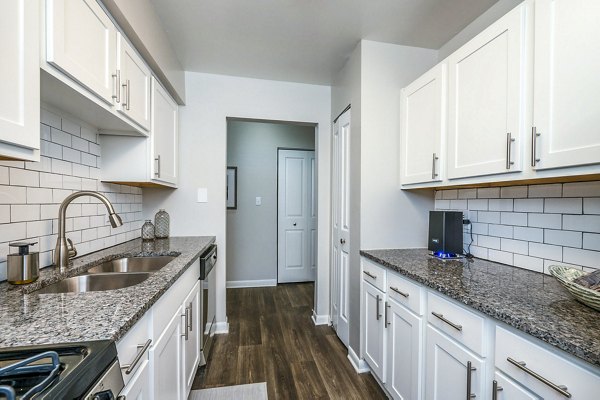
x=165 y=361
x=504 y=388
x=374 y=350
x=138 y=387
x=451 y=371
x=190 y=342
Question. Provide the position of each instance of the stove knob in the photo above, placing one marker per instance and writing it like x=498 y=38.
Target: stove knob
x=104 y=395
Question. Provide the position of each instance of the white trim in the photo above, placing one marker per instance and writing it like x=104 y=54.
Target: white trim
x=360 y=366
x=320 y=319
x=221 y=327
x=253 y=283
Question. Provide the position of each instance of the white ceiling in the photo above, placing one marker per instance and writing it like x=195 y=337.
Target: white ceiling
x=302 y=40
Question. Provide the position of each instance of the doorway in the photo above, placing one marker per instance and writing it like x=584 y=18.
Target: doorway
x=296 y=216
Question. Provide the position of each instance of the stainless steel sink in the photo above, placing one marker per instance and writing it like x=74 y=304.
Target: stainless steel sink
x=132 y=264
x=96 y=282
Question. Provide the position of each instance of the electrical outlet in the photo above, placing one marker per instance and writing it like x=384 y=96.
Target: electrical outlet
x=259 y=201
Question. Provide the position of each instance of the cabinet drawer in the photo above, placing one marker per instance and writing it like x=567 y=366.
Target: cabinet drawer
x=374 y=274
x=457 y=322
x=404 y=292
x=130 y=345
x=537 y=361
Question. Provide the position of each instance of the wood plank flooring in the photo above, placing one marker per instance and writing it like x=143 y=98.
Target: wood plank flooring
x=273 y=339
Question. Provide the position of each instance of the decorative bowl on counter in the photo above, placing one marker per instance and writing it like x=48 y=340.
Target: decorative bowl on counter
x=566 y=276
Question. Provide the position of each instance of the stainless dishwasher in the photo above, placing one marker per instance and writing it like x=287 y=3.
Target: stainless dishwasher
x=207 y=302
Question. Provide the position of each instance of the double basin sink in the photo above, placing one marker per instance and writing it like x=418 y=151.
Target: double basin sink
x=111 y=275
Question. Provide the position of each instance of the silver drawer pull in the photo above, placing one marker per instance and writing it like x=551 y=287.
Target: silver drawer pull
x=470 y=370
x=452 y=324
x=370 y=275
x=495 y=390
x=394 y=289
x=186 y=315
x=562 y=389
x=377 y=315
x=130 y=367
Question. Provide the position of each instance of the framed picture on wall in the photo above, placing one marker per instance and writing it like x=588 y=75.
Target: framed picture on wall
x=231 y=191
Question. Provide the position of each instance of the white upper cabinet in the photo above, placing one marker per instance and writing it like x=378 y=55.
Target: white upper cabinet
x=19 y=80
x=133 y=79
x=164 y=135
x=487 y=99
x=566 y=83
x=423 y=127
x=81 y=41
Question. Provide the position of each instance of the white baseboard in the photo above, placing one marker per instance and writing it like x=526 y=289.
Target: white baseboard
x=221 y=327
x=360 y=366
x=254 y=283
x=320 y=319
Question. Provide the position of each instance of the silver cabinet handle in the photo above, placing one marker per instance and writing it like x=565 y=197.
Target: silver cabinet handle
x=126 y=94
x=370 y=274
x=509 y=142
x=186 y=335
x=377 y=315
x=433 y=173
x=385 y=321
x=191 y=325
x=142 y=349
x=157 y=172
x=452 y=324
x=562 y=389
x=470 y=370
x=117 y=86
x=495 y=390
x=394 y=289
x=342 y=241
x=534 y=136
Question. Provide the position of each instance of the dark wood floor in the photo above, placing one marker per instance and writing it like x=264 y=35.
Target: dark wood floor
x=273 y=339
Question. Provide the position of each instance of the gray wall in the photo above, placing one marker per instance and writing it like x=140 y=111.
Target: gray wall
x=252 y=229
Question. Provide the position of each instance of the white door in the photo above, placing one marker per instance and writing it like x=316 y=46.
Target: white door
x=374 y=344
x=487 y=99
x=190 y=342
x=296 y=216
x=138 y=388
x=423 y=126
x=340 y=209
x=81 y=40
x=165 y=360
x=164 y=135
x=404 y=352
x=507 y=389
x=135 y=77
x=446 y=373
x=567 y=83
x=20 y=73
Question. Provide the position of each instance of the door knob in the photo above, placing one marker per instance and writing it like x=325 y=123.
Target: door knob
x=294 y=224
x=342 y=241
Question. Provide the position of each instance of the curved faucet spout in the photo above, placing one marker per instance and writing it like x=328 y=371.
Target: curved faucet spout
x=64 y=247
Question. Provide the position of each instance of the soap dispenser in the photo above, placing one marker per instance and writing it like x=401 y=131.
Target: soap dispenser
x=23 y=267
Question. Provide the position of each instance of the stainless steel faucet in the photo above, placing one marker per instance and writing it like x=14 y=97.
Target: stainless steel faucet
x=64 y=247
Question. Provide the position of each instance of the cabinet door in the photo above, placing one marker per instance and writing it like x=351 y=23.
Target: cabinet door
x=404 y=352
x=138 y=387
x=134 y=88
x=165 y=361
x=164 y=135
x=507 y=389
x=374 y=345
x=446 y=373
x=566 y=83
x=81 y=40
x=191 y=342
x=487 y=99
x=423 y=125
x=20 y=74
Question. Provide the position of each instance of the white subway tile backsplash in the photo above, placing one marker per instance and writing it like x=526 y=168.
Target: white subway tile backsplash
x=45 y=132
x=89 y=135
x=501 y=256
x=13 y=195
x=467 y=193
x=553 y=190
x=479 y=252
x=23 y=177
x=514 y=246
x=60 y=137
x=582 y=189
x=44 y=165
x=61 y=167
x=458 y=204
x=22 y=212
x=4 y=214
x=587 y=258
x=513 y=218
x=501 y=205
x=591 y=205
x=53 y=181
x=4 y=180
x=479 y=228
x=49 y=211
x=551 y=221
x=50 y=149
x=13 y=232
x=583 y=223
x=39 y=195
x=489 y=242
x=71 y=155
x=39 y=228
x=488 y=217
x=513 y=192
x=88 y=159
x=71 y=127
x=71 y=182
x=530 y=263
x=563 y=206
x=488 y=193
x=546 y=251
x=529 y=205
x=478 y=204
x=451 y=194
x=591 y=241
x=528 y=234
x=50 y=119
x=95 y=149
x=81 y=170
x=563 y=238
x=502 y=231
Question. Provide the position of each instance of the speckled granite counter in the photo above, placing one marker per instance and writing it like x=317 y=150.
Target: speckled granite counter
x=529 y=301
x=28 y=318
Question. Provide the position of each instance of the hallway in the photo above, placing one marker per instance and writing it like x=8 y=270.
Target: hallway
x=273 y=339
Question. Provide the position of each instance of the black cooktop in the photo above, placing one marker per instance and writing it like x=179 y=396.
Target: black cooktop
x=80 y=366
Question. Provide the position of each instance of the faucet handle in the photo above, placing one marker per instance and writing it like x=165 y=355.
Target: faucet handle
x=71 y=248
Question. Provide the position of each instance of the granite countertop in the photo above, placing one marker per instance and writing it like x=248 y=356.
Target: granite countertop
x=28 y=318
x=529 y=301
